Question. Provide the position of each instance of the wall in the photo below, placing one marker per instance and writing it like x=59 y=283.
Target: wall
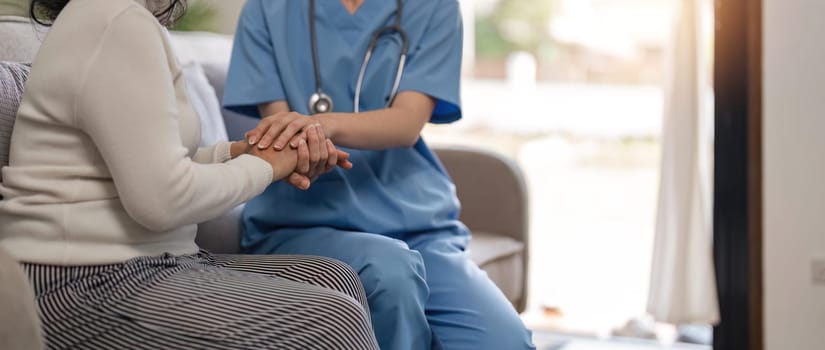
x=794 y=172
x=230 y=10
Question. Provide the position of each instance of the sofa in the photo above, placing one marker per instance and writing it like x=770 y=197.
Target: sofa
x=490 y=187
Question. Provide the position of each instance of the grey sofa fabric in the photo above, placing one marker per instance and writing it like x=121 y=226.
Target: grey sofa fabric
x=12 y=78
x=19 y=324
x=491 y=189
x=493 y=200
x=19 y=42
x=19 y=39
x=503 y=259
x=222 y=235
x=494 y=205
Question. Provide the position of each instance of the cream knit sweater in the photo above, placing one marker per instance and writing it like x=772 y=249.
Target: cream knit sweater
x=104 y=164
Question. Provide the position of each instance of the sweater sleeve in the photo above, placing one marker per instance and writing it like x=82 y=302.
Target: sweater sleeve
x=127 y=105
x=217 y=153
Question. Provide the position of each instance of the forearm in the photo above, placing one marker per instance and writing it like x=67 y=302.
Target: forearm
x=379 y=129
x=217 y=153
x=397 y=126
x=220 y=152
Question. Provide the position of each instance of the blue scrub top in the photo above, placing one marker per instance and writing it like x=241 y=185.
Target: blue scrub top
x=395 y=192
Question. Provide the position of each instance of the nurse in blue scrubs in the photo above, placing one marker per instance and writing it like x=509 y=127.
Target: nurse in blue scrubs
x=393 y=216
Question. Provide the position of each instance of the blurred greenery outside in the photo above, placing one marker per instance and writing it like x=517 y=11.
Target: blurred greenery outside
x=199 y=17
x=514 y=25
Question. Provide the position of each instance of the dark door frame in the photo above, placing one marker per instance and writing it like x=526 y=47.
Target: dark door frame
x=737 y=212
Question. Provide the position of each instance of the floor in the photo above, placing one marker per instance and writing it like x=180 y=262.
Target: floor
x=592 y=171
x=555 y=341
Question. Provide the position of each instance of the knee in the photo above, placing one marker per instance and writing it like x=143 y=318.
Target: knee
x=343 y=307
x=336 y=313
x=496 y=331
x=339 y=276
x=394 y=272
x=510 y=335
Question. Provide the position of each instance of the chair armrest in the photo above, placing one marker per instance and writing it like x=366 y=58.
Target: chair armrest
x=491 y=189
x=493 y=198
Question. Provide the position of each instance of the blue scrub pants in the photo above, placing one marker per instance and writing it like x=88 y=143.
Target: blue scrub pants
x=423 y=292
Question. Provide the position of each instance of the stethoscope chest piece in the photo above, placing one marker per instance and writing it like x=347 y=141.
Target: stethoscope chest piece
x=320 y=102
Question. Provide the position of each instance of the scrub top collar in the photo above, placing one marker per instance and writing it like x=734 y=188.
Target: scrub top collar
x=341 y=18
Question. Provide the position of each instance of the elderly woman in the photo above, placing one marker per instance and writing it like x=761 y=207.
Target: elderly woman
x=106 y=183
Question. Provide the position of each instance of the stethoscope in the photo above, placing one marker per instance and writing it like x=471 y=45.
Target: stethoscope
x=319 y=102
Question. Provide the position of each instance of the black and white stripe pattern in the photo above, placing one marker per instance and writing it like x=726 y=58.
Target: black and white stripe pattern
x=204 y=302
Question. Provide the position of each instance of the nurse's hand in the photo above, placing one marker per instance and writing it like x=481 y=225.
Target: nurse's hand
x=289 y=127
x=278 y=129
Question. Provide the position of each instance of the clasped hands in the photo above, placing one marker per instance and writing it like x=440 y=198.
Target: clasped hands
x=296 y=147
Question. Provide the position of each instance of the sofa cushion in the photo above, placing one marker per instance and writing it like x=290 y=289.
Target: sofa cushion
x=205 y=102
x=222 y=235
x=236 y=124
x=212 y=52
x=12 y=78
x=502 y=258
x=19 y=39
x=487 y=247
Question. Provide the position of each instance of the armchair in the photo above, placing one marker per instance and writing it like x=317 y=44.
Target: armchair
x=490 y=187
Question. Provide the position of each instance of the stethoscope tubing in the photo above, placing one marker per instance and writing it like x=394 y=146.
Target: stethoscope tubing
x=320 y=98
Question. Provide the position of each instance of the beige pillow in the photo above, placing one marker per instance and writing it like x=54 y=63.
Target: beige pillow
x=19 y=38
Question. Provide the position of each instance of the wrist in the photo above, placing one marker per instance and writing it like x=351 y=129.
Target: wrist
x=327 y=124
x=237 y=148
x=261 y=154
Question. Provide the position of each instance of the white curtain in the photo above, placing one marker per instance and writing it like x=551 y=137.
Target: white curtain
x=682 y=286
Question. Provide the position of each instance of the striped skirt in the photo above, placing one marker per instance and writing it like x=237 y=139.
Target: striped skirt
x=204 y=301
